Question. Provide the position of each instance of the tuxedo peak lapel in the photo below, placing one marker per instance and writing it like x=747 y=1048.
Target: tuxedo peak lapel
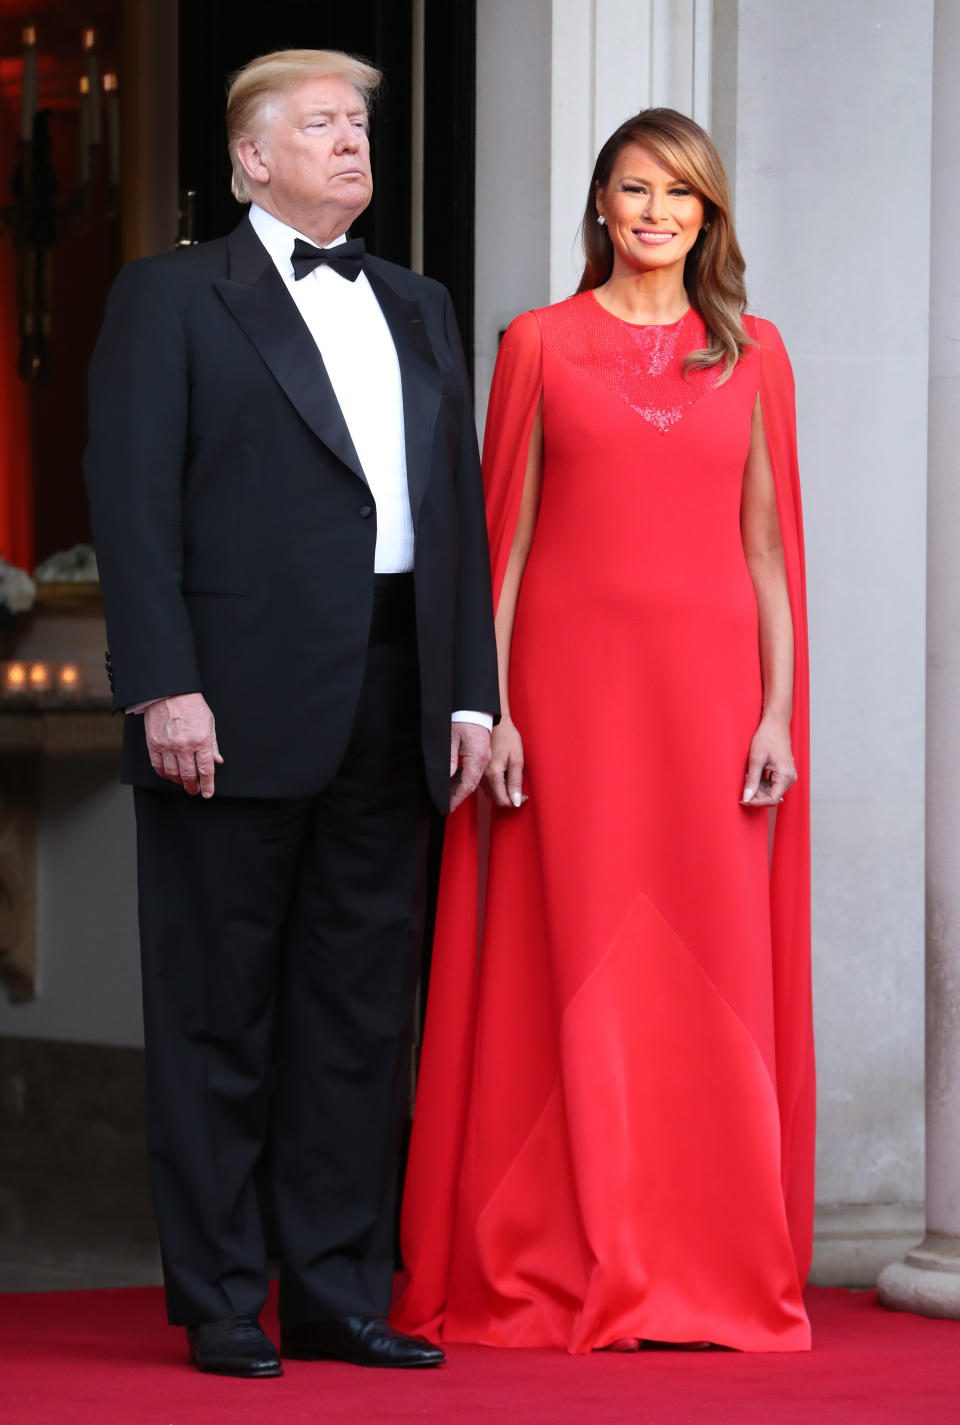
x=258 y=299
x=419 y=379
x=247 y=258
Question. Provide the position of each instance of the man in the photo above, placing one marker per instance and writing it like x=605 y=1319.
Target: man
x=289 y=523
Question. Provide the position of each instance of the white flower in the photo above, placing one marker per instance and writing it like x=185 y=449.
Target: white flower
x=17 y=589
x=77 y=565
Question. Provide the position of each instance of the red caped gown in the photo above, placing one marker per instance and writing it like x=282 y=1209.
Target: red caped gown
x=613 y=1134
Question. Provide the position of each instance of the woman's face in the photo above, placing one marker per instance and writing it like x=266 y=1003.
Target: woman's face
x=653 y=218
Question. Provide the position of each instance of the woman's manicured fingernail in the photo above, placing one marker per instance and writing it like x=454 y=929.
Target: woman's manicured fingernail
x=748 y=794
x=515 y=798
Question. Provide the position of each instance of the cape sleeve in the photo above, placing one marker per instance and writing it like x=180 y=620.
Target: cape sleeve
x=428 y=1225
x=514 y=398
x=790 y=864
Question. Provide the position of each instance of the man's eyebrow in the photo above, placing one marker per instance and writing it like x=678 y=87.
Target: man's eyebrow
x=324 y=112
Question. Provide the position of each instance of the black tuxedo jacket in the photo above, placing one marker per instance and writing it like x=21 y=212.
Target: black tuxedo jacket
x=235 y=531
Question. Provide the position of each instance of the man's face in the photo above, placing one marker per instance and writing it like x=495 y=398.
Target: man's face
x=317 y=153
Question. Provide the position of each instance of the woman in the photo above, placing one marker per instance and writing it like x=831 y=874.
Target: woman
x=613 y=1139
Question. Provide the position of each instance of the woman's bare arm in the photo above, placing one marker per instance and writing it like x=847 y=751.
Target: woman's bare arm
x=503 y=778
x=770 y=769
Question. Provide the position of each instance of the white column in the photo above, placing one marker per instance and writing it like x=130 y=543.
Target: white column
x=928 y=1280
x=573 y=149
x=512 y=211
x=854 y=315
x=812 y=110
x=540 y=126
x=610 y=58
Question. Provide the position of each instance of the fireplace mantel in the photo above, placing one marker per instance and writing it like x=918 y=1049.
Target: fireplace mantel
x=66 y=625
x=59 y=731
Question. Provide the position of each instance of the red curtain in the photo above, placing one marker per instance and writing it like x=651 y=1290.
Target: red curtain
x=16 y=475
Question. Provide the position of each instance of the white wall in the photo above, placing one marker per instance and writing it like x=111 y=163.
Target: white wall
x=554 y=79
x=822 y=112
x=513 y=172
x=833 y=125
x=87 y=947
x=943 y=657
x=609 y=59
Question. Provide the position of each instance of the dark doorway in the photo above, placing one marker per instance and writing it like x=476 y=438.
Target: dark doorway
x=449 y=165
x=219 y=36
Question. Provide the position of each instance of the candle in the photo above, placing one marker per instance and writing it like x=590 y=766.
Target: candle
x=83 y=128
x=39 y=677
x=68 y=680
x=93 y=82
x=113 y=128
x=14 y=679
x=28 y=95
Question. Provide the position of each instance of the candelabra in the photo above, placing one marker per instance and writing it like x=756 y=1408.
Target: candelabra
x=35 y=220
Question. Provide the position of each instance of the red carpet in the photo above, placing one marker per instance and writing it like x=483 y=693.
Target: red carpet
x=107 y=1358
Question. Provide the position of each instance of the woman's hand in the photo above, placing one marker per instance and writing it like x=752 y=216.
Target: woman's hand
x=503 y=779
x=770 y=769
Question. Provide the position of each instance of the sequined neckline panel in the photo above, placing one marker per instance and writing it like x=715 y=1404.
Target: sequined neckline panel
x=641 y=365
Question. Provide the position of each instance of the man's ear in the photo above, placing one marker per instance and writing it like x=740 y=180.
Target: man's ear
x=254 y=160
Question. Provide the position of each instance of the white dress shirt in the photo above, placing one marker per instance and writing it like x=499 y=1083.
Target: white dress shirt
x=353 y=338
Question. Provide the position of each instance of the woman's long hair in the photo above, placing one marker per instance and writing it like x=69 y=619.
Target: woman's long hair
x=713 y=271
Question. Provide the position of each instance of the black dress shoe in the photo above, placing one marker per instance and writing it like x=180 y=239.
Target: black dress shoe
x=234 y=1346
x=362 y=1340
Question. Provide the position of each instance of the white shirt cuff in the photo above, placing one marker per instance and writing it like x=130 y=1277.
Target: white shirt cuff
x=481 y=719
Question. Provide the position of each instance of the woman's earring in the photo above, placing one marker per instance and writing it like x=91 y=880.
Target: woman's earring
x=601 y=219
x=705 y=228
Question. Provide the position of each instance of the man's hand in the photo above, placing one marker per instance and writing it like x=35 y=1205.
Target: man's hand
x=182 y=742
x=469 y=755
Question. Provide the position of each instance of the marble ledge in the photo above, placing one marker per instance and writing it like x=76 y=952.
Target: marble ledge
x=853 y=1242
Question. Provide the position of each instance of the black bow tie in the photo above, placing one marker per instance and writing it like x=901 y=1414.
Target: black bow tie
x=346 y=258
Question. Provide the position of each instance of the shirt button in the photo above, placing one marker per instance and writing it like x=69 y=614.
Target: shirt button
x=366 y=511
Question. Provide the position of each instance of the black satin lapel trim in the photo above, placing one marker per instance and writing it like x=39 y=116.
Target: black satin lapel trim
x=420 y=382
x=264 y=309
x=247 y=258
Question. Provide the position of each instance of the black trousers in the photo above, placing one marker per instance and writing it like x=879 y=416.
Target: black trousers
x=280 y=942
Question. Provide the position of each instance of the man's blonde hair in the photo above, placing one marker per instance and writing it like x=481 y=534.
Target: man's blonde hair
x=254 y=87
